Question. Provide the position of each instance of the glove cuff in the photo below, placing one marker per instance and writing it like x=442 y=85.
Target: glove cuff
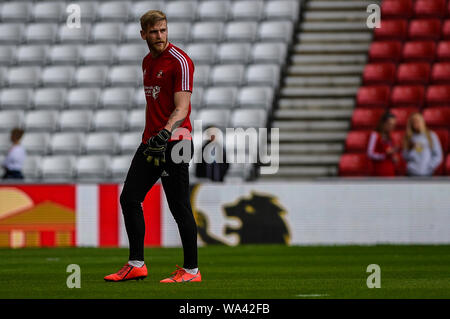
x=165 y=134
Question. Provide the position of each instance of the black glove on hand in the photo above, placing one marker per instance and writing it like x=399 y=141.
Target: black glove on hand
x=156 y=147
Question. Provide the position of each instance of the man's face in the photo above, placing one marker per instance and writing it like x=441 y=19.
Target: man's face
x=156 y=37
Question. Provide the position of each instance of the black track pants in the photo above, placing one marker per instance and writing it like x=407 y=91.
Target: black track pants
x=140 y=179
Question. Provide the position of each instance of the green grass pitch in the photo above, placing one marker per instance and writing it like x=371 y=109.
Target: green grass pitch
x=242 y=272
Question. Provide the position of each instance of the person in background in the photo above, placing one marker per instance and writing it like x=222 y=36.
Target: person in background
x=421 y=147
x=16 y=156
x=215 y=166
x=381 y=148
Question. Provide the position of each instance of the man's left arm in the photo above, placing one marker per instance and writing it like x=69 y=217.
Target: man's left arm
x=181 y=101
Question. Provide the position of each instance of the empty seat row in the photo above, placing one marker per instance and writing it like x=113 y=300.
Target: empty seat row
x=69 y=167
x=127 y=98
x=41 y=54
x=72 y=54
x=112 y=32
x=403 y=95
x=407 y=73
x=120 y=120
x=70 y=120
x=101 y=75
x=93 y=75
x=237 y=74
x=92 y=168
x=76 y=142
x=415 y=8
x=258 y=52
x=60 y=98
x=418 y=29
x=411 y=51
x=240 y=118
x=112 y=143
x=133 y=10
x=367 y=118
x=232 y=97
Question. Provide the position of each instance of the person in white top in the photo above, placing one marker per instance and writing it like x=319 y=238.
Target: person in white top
x=15 y=159
x=422 y=148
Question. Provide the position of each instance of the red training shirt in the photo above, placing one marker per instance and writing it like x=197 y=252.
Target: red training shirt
x=383 y=164
x=170 y=72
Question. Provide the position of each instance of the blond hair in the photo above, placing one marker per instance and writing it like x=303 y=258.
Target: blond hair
x=410 y=131
x=150 y=18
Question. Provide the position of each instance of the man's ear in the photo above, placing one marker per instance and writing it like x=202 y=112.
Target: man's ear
x=143 y=35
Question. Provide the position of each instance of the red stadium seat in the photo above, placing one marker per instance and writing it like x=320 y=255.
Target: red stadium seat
x=385 y=51
x=443 y=51
x=437 y=117
x=419 y=51
x=354 y=165
x=373 y=96
x=408 y=96
x=413 y=73
x=392 y=29
x=356 y=141
x=402 y=114
x=446 y=29
x=424 y=29
x=379 y=73
x=443 y=135
x=440 y=169
x=397 y=9
x=430 y=8
x=444 y=138
x=366 y=118
x=447 y=165
x=438 y=95
x=440 y=73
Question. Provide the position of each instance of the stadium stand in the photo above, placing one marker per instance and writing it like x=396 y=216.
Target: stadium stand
x=412 y=43
x=254 y=59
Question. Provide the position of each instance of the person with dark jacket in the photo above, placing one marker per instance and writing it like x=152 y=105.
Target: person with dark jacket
x=213 y=165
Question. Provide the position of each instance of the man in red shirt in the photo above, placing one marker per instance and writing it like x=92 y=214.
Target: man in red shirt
x=168 y=80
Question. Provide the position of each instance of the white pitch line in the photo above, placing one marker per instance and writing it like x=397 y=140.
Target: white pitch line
x=312 y=295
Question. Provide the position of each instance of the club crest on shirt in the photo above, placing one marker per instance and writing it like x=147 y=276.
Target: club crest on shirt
x=152 y=90
x=155 y=92
x=159 y=74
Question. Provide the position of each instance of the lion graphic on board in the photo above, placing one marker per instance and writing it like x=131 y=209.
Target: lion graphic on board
x=261 y=218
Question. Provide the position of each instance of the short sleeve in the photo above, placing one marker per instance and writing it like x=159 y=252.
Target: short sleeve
x=184 y=74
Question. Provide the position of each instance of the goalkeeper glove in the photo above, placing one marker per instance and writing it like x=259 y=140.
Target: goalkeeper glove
x=156 y=147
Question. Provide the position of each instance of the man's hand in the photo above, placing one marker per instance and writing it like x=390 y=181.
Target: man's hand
x=156 y=147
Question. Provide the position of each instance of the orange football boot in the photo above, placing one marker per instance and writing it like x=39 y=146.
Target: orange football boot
x=180 y=275
x=128 y=272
